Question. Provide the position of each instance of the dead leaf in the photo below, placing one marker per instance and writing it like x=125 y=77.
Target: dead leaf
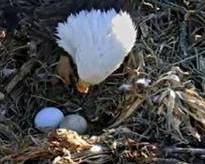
x=191 y=92
x=64 y=69
x=62 y=139
x=63 y=160
x=60 y=143
x=174 y=79
x=127 y=112
x=196 y=106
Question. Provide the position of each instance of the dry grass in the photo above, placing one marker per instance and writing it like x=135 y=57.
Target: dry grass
x=157 y=115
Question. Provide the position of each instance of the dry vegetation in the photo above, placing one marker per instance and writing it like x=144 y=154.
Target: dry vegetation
x=151 y=110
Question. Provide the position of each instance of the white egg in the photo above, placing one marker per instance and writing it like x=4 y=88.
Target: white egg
x=74 y=122
x=48 y=118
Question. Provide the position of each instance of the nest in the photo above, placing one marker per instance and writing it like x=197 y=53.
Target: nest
x=151 y=110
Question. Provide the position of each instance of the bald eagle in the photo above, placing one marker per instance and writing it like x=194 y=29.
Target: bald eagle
x=97 y=41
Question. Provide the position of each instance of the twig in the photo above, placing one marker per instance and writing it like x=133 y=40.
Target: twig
x=183 y=38
x=46 y=99
x=24 y=70
x=2 y=96
x=184 y=60
x=127 y=112
x=167 y=161
x=20 y=48
x=169 y=5
x=192 y=151
x=130 y=134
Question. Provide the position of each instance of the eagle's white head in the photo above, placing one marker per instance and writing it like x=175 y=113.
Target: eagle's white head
x=97 y=41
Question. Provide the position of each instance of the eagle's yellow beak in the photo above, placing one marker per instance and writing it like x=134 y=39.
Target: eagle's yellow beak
x=82 y=86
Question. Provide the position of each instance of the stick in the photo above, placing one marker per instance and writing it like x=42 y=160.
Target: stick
x=167 y=161
x=185 y=150
x=24 y=70
x=127 y=112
